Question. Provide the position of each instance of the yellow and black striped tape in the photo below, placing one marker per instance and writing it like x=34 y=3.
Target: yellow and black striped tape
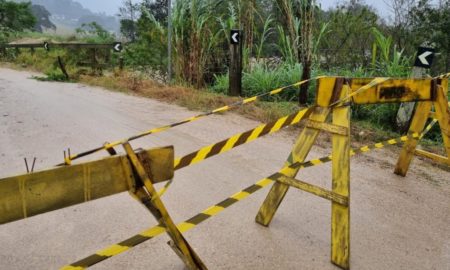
x=376 y=81
x=188 y=120
x=443 y=76
x=185 y=226
x=189 y=224
x=233 y=142
x=216 y=149
x=239 y=139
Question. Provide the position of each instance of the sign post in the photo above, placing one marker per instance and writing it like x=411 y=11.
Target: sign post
x=236 y=46
x=424 y=60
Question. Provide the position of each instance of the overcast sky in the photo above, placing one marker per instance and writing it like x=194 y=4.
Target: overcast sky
x=111 y=6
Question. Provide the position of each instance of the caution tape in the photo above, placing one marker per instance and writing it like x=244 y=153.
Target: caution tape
x=246 y=137
x=443 y=76
x=233 y=142
x=189 y=224
x=429 y=127
x=239 y=139
x=185 y=226
x=188 y=120
x=221 y=147
x=107 y=146
x=251 y=135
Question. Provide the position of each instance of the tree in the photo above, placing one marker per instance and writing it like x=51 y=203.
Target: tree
x=432 y=23
x=400 y=28
x=158 y=8
x=298 y=20
x=95 y=31
x=43 y=18
x=351 y=25
x=16 y=16
x=129 y=14
x=307 y=21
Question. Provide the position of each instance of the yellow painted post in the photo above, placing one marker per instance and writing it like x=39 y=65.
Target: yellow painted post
x=340 y=214
x=417 y=126
x=150 y=198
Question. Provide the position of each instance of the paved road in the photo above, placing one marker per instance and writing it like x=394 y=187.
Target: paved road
x=397 y=223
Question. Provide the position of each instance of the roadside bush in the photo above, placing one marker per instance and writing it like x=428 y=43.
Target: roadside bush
x=262 y=79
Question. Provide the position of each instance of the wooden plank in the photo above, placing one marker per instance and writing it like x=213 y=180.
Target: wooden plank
x=153 y=202
x=435 y=157
x=417 y=126
x=318 y=191
x=327 y=127
x=37 y=193
x=340 y=214
x=441 y=106
x=392 y=90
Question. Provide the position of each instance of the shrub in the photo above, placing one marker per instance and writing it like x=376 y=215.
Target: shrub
x=262 y=79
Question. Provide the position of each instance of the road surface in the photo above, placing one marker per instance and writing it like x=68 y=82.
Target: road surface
x=397 y=223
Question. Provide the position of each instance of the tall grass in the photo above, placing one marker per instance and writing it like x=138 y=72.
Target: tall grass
x=262 y=79
x=196 y=34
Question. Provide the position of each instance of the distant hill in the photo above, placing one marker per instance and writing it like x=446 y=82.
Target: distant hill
x=71 y=14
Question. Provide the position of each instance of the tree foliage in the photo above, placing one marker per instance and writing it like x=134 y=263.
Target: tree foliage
x=432 y=23
x=95 y=33
x=351 y=36
x=16 y=16
x=128 y=14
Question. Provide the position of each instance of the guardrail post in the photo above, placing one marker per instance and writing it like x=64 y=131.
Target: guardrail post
x=235 y=73
x=63 y=67
x=121 y=63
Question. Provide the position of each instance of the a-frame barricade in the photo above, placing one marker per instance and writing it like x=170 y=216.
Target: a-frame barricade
x=334 y=97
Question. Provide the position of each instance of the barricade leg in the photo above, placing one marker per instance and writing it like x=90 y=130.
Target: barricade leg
x=441 y=106
x=301 y=149
x=417 y=126
x=148 y=196
x=340 y=214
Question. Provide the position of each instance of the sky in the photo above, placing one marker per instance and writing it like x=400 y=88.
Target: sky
x=111 y=7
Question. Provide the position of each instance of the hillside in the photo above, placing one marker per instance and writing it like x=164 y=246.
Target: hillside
x=71 y=14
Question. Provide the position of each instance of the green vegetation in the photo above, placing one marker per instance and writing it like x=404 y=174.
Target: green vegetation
x=14 y=17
